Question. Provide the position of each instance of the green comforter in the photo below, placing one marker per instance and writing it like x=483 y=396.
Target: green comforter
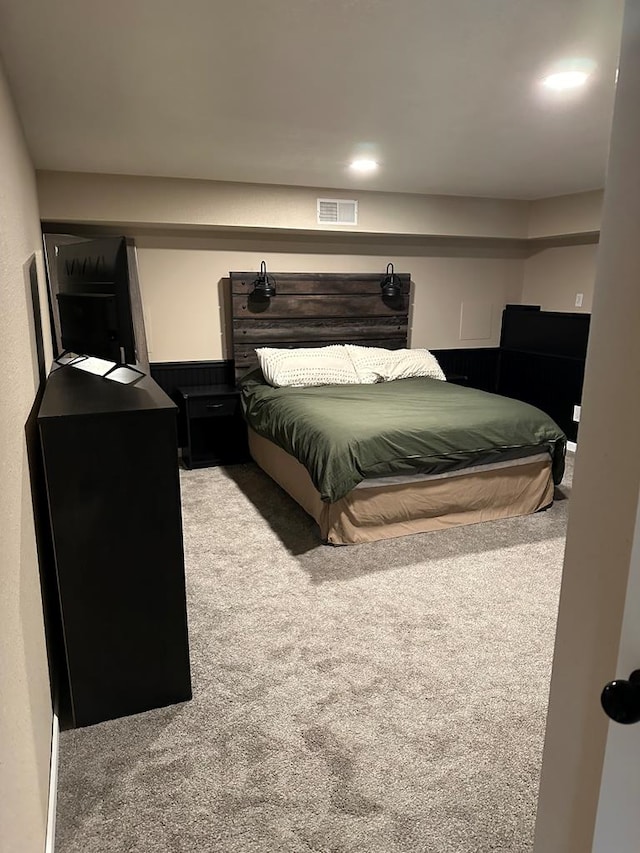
x=343 y=434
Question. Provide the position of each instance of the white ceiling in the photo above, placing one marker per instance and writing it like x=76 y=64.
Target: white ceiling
x=444 y=93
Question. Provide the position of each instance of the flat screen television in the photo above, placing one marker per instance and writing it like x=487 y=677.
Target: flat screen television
x=94 y=301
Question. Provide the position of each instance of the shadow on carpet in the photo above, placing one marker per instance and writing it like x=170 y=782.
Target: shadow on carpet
x=300 y=534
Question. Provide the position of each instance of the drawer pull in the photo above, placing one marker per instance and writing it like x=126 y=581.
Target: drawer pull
x=214 y=405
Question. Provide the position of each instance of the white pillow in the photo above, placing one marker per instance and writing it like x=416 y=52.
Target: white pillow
x=304 y=366
x=375 y=364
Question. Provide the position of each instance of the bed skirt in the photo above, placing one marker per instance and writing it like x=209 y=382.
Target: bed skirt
x=386 y=511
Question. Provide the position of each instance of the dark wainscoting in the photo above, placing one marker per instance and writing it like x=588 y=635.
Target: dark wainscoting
x=171 y=375
x=479 y=366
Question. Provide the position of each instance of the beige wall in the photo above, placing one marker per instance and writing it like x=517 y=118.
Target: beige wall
x=180 y=281
x=142 y=201
x=553 y=278
x=566 y=214
x=25 y=706
x=203 y=229
x=179 y=202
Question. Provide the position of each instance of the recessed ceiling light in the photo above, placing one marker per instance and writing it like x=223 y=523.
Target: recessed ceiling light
x=364 y=165
x=565 y=80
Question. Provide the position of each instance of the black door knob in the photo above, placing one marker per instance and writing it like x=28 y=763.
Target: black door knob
x=621 y=699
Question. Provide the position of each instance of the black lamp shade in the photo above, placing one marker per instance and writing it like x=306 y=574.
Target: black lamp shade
x=264 y=286
x=391 y=284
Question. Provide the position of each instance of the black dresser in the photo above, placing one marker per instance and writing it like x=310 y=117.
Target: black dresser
x=113 y=494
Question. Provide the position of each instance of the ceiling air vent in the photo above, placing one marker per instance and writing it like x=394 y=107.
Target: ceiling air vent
x=337 y=211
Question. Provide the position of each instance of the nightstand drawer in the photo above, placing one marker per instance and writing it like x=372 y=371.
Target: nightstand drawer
x=212 y=407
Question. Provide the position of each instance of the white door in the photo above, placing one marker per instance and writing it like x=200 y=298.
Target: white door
x=590 y=784
x=618 y=818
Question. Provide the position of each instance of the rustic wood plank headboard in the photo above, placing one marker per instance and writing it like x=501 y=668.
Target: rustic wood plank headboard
x=316 y=309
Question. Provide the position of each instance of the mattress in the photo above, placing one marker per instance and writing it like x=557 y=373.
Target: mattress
x=345 y=435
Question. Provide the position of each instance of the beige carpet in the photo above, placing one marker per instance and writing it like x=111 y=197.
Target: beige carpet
x=387 y=697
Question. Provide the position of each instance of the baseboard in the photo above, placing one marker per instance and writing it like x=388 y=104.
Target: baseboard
x=53 y=786
x=572 y=446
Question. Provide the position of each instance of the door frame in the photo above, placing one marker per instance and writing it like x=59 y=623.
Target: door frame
x=604 y=503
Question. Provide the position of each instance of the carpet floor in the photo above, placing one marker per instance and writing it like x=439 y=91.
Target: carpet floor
x=381 y=698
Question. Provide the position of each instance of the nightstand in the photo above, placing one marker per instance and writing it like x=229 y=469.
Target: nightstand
x=216 y=432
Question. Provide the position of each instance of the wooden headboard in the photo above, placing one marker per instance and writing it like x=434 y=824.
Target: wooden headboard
x=316 y=309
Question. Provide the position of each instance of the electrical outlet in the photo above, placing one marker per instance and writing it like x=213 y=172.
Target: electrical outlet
x=579 y=298
x=576 y=413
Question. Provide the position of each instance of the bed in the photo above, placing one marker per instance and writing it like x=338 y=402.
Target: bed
x=376 y=461
x=381 y=459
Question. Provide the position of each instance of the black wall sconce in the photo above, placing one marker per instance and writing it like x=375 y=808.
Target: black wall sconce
x=391 y=284
x=265 y=285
